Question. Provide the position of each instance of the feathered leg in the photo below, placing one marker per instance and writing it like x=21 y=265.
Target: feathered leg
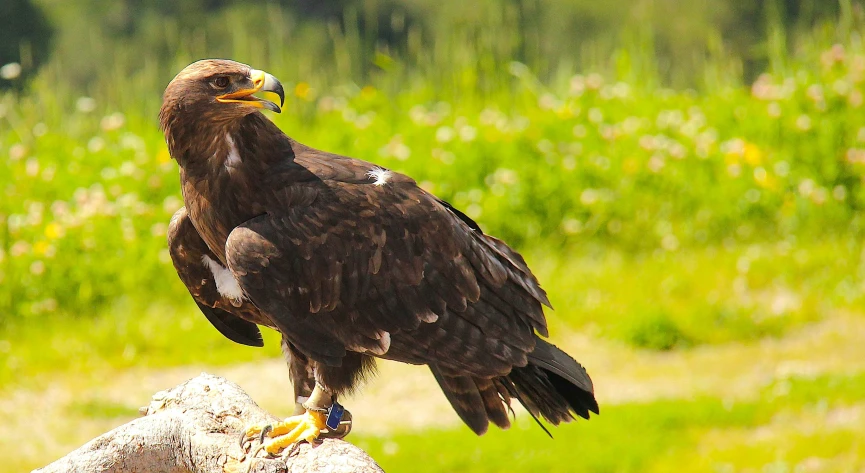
x=316 y=387
x=300 y=372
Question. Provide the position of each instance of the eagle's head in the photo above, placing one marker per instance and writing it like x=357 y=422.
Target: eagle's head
x=211 y=94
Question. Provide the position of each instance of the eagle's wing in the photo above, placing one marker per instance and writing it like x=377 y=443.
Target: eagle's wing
x=351 y=262
x=188 y=252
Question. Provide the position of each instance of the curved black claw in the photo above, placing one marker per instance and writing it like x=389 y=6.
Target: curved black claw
x=266 y=430
x=246 y=439
x=290 y=450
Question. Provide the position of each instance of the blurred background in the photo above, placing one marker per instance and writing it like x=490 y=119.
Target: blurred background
x=685 y=178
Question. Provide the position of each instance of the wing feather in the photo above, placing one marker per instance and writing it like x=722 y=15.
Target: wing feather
x=371 y=259
x=237 y=323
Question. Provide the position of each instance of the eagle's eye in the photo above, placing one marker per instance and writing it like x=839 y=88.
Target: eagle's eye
x=220 y=82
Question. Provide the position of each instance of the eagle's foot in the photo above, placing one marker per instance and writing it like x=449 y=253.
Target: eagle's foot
x=252 y=433
x=274 y=438
x=277 y=436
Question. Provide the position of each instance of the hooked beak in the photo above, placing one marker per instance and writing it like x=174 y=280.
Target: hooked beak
x=261 y=82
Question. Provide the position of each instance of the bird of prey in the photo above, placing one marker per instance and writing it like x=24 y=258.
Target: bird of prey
x=350 y=262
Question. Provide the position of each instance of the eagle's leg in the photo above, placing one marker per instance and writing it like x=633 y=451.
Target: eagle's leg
x=301 y=372
x=312 y=406
x=316 y=405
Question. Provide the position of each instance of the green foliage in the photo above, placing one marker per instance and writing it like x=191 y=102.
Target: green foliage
x=121 y=336
x=657 y=331
x=347 y=39
x=702 y=296
x=25 y=41
x=802 y=390
x=569 y=168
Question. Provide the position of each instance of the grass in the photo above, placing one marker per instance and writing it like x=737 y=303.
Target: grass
x=804 y=413
x=121 y=338
x=646 y=437
x=709 y=295
x=623 y=439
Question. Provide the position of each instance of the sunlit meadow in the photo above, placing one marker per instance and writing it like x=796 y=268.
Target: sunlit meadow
x=596 y=165
x=658 y=218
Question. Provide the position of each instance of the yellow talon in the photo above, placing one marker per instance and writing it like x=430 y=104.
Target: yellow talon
x=307 y=426
x=253 y=431
x=274 y=438
x=291 y=431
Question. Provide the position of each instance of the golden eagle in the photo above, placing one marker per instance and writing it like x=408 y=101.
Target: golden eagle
x=350 y=262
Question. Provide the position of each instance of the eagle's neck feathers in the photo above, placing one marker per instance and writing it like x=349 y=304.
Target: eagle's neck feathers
x=232 y=160
x=221 y=169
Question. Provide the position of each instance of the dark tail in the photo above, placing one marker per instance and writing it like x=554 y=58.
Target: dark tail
x=476 y=400
x=552 y=385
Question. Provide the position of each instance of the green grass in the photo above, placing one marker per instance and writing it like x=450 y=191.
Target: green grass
x=122 y=337
x=101 y=409
x=787 y=424
x=784 y=426
x=689 y=297
x=812 y=391
x=625 y=438
x=656 y=436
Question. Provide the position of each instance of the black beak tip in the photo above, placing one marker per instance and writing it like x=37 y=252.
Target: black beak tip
x=273 y=107
x=281 y=93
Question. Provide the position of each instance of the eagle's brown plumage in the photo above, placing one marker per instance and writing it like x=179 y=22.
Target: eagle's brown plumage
x=350 y=262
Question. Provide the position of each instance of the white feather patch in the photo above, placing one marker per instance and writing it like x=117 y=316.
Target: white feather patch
x=233 y=158
x=226 y=285
x=384 y=343
x=380 y=175
x=381 y=346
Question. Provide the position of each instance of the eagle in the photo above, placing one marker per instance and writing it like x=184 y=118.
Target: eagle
x=350 y=262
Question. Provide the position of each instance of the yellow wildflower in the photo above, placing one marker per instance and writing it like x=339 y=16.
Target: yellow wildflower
x=367 y=92
x=53 y=231
x=40 y=248
x=752 y=154
x=162 y=156
x=303 y=91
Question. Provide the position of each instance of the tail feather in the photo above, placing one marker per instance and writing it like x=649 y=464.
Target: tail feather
x=463 y=394
x=559 y=383
x=552 y=385
x=493 y=403
x=552 y=359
